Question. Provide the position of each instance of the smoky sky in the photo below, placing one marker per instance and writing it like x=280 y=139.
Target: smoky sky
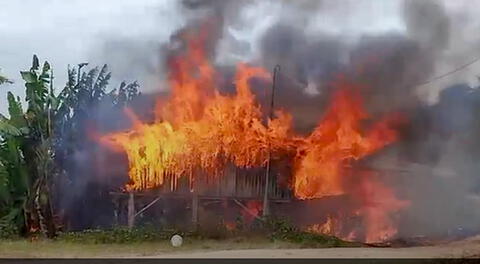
x=129 y=35
x=69 y=32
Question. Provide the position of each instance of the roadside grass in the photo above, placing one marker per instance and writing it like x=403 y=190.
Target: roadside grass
x=64 y=249
x=150 y=241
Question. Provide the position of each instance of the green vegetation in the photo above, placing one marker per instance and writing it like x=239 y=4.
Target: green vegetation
x=275 y=231
x=280 y=229
x=48 y=248
x=35 y=142
x=150 y=241
x=119 y=235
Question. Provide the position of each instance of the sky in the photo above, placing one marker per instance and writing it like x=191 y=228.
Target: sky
x=75 y=31
x=68 y=32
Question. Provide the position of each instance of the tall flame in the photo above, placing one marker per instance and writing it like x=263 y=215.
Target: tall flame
x=198 y=128
x=337 y=139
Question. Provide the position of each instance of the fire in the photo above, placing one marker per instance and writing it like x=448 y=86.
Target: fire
x=199 y=128
x=330 y=227
x=372 y=221
x=322 y=159
x=252 y=211
x=336 y=140
x=378 y=205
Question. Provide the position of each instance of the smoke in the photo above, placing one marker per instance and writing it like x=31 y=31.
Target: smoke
x=448 y=30
x=428 y=23
x=440 y=165
x=440 y=158
x=393 y=48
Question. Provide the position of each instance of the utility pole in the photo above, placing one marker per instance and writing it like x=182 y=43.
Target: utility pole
x=266 y=209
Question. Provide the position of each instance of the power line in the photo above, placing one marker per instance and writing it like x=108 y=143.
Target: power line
x=450 y=72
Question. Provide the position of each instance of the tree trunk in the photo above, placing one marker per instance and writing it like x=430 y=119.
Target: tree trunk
x=43 y=211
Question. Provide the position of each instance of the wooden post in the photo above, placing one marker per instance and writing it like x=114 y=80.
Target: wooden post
x=116 y=210
x=266 y=209
x=195 y=210
x=131 y=210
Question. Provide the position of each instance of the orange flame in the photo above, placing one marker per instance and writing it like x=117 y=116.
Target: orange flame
x=252 y=211
x=378 y=205
x=336 y=140
x=200 y=128
x=330 y=227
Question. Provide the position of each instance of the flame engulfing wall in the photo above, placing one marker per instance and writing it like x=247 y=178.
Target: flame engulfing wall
x=200 y=128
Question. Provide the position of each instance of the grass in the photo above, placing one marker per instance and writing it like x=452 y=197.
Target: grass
x=63 y=249
x=151 y=241
x=284 y=231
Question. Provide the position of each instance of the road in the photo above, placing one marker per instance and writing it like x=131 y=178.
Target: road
x=464 y=248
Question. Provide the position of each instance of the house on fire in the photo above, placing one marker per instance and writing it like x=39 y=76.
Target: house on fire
x=232 y=190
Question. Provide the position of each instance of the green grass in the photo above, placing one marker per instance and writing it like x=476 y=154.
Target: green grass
x=63 y=249
x=151 y=241
x=119 y=235
x=284 y=231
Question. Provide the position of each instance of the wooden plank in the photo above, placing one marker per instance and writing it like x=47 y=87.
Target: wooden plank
x=189 y=196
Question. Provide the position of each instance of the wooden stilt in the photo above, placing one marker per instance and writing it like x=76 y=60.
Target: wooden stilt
x=116 y=211
x=195 y=211
x=131 y=210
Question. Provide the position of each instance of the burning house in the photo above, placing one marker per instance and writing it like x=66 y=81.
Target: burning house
x=207 y=143
x=353 y=152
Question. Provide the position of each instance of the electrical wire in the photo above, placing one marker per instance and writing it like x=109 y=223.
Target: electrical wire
x=466 y=65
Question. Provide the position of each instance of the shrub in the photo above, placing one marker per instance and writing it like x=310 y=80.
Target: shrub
x=9 y=231
x=118 y=235
x=285 y=231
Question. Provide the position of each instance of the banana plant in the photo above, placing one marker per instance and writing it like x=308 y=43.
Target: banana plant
x=37 y=148
x=14 y=182
x=33 y=142
x=25 y=156
x=78 y=106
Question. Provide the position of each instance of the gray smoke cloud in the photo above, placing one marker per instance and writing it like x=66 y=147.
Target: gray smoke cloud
x=448 y=29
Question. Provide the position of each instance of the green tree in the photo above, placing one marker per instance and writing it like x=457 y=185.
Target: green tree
x=33 y=143
x=26 y=154
x=84 y=101
x=14 y=182
x=78 y=106
x=37 y=145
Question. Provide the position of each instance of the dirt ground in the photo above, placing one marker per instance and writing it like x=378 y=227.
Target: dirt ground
x=259 y=248
x=459 y=249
